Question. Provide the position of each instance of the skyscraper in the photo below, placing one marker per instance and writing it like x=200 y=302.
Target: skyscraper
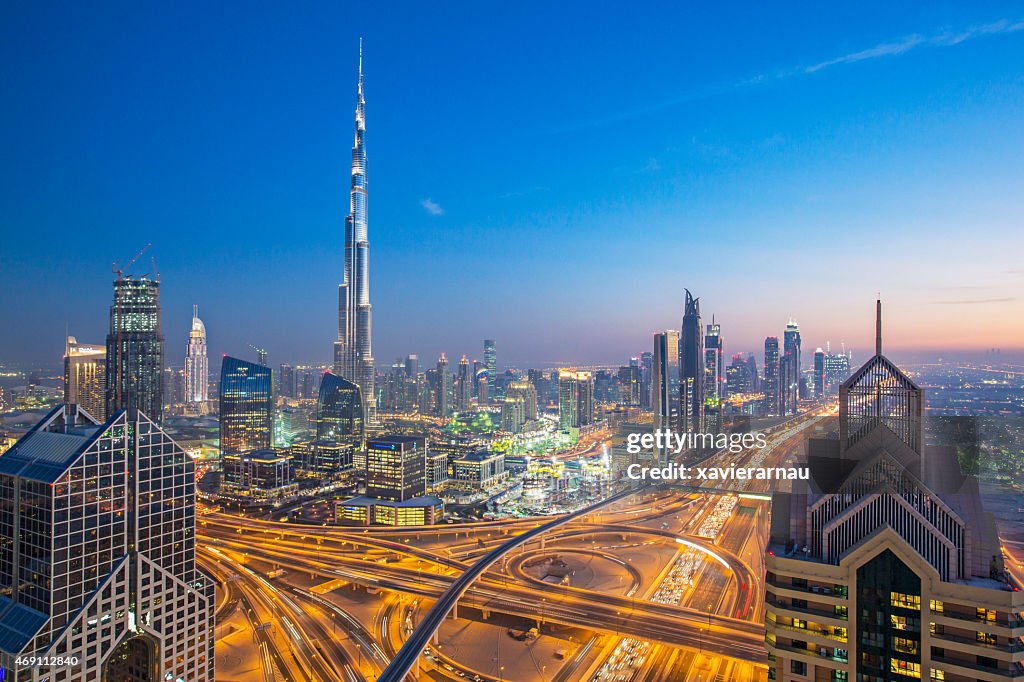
x=135 y=348
x=665 y=380
x=286 y=380
x=819 y=373
x=519 y=406
x=443 y=395
x=646 y=368
x=789 y=370
x=885 y=565
x=97 y=554
x=491 y=357
x=464 y=385
x=396 y=467
x=691 y=368
x=85 y=377
x=771 y=376
x=197 y=368
x=575 y=399
x=246 y=406
x=339 y=411
x=714 y=363
x=353 y=356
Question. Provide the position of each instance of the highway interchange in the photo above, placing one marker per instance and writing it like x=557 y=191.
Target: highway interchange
x=299 y=602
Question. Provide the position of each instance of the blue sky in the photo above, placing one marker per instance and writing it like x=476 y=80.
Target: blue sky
x=551 y=175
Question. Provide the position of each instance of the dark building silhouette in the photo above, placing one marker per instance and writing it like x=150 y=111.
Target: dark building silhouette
x=770 y=386
x=135 y=348
x=691 y=368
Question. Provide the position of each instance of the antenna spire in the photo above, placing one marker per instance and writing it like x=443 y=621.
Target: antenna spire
x=878 y=326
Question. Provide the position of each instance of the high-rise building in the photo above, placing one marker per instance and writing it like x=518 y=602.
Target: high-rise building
x=464 y=385
x=85 y=377
x=444 y=389
x=353 y=354
x=91 y=567
x=771 y=376
x=714 y=363
x=519 y=406
x=396 y=467
x=646 y=370
x=246 y=406
x=197 y=368
x=575 y=399
x=286 y=380
x=837 y=370
x=629 y=385
x=885 y=564
x=819 y=373
x=665 y=380
x=412 y=366
x=691 y=368
x=755 y=376
x=135 y=348
x=491 y=357
x=789 y=370
x=340 y=417
x=738 y=376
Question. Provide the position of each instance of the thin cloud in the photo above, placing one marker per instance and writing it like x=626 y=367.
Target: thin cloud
x=915 y=40
x=432 y=207
x=891 y=48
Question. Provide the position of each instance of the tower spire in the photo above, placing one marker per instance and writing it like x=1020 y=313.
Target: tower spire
x=878 y=326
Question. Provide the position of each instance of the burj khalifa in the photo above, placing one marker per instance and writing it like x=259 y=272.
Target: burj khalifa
x=353 y=356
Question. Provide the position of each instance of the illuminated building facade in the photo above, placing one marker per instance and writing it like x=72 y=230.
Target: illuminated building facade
x=259 y=475
x=135 y=348
x=575 y=399
x=246 y=406
x=197 y=367
x=479 y=470
x=396 y=467
x=519 y=407
x=885 y=566
x=353 y=354
x=97 y=554
x=491 y=357
x=714 y=363
x=85 y=377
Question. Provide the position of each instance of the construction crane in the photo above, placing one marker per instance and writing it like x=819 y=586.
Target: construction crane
x=261 y=354
x=118 y=389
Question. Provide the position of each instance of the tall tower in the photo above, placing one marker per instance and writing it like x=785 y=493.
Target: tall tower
x=691 y=368
x=85 y=377
x=771 y=376
x=714 y=362
x=197 y=368
x=790 y=369
x=135 y=348
x=491 y=358
x=353 y=356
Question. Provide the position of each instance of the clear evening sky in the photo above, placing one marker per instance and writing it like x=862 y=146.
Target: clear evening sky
x=551 y=175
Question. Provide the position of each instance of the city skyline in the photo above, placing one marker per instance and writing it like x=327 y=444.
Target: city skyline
x=857 y=122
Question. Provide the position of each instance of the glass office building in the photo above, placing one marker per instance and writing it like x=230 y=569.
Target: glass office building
x=246 y=406
x=97 y=554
